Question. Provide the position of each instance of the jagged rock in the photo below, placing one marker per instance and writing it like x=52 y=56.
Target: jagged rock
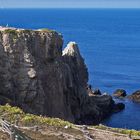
x=93 y=92
x=119 y=93
x=97 y=108
x=97 y=92
x=36 y=76
x=89 y=90
x=135 y=96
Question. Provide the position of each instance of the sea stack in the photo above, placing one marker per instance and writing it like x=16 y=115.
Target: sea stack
x=38 y=77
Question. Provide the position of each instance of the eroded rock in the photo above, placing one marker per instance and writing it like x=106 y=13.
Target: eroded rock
x=135 y=96
x=120 y=93
x=37 y=76
x=97 y=92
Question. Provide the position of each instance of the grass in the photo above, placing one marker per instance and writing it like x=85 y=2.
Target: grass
x=119 y=130
x=14 y=31
x=13 y=114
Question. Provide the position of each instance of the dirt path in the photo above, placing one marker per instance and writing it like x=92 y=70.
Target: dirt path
x=61 y=133
x=83 y=133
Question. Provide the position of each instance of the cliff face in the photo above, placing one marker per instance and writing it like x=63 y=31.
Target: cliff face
x=37 y=76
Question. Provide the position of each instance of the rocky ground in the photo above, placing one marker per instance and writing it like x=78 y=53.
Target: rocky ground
x=44 y=128
x=52 y=133
x=63 y=133
x=3 y=136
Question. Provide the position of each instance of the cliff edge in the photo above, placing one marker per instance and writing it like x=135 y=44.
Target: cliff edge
x=39 y=77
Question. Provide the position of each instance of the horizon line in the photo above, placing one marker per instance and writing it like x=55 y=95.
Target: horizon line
x=69 y=8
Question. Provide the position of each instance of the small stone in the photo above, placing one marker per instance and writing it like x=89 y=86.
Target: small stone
x=66 y=127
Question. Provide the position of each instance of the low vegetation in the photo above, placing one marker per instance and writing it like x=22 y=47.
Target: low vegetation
x=14 y=114
x=119 y=130
x=47 y=30
x=10 y=31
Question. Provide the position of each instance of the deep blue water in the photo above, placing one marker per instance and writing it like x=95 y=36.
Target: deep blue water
x=109 y=40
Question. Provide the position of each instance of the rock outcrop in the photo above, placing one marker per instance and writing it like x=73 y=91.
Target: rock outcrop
x=135 y=96
x=120 y=93
x=97 y=92
x=38 y=77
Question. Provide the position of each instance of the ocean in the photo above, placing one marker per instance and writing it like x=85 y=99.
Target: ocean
x=109 y=41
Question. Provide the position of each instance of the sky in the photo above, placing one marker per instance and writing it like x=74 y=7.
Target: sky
x=69 y=3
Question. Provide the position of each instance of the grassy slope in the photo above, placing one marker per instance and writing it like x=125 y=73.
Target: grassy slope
x=12 y=114
x=52 y=124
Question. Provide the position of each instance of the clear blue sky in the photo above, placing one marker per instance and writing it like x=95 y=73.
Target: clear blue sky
x=70 y=3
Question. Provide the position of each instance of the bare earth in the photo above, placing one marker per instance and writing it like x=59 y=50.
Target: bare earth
x=77 y=133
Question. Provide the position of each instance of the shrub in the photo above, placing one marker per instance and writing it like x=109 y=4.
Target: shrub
x=13 y=113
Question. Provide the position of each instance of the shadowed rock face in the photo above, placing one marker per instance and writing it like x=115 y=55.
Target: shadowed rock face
x=36 y=76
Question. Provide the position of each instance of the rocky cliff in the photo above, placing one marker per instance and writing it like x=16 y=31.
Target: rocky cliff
x=37 y=76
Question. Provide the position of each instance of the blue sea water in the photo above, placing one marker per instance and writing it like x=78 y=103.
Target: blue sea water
x=109 y=40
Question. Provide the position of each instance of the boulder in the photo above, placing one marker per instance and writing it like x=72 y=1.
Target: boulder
x=135 y=96
x=120 y=93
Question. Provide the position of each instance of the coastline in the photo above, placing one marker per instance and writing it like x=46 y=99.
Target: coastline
x=128 y=81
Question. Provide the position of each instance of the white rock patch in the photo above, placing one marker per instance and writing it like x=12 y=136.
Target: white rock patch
x=32 y=73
